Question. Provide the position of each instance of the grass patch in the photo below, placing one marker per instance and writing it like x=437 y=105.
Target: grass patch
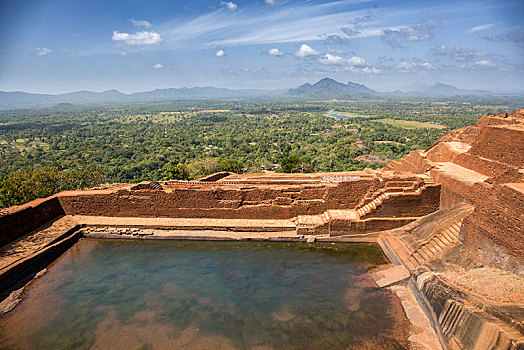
x=409 y=124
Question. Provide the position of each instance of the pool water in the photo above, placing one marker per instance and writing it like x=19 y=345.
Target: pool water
x=126 y=294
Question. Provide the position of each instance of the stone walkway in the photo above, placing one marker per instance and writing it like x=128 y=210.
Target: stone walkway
x=462 y=174
x=204 y=235
x=34 y=241
x=189 y=223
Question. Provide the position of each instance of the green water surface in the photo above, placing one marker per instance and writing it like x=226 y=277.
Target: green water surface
x=214 y=295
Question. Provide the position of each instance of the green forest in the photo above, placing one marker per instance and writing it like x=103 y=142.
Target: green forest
x=73 y=147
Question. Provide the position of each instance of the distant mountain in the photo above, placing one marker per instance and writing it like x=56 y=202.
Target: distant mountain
x=440 y=89
x=326 y=89
x=18 y=99
x=329 y=88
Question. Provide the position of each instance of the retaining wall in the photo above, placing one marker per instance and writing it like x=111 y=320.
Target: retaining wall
x=27 y=218
x=462 y=325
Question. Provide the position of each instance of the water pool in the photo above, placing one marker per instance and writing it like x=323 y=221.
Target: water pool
x=126 y=294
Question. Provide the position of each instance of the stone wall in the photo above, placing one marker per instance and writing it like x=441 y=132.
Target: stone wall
x=264 y=202
x=460 y=324
x=27 y=218
x=500 y=144
x=494 y=232
x=409 y=205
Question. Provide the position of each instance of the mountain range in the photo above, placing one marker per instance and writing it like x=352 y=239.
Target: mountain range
x=326 y=88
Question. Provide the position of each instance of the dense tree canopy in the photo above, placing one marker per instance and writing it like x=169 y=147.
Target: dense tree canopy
x=25 y=185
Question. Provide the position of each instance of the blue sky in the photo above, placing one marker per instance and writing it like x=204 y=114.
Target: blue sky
x=59 y=46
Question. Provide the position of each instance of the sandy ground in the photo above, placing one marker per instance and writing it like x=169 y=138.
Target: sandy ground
x=497 y=286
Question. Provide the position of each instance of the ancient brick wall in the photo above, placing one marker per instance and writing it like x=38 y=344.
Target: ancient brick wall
x=348 y=194
x=222 y=202
x=345 y=227
x=494 y=232
x=505 y=145
x=482 y=165
x=410 y=205
x=29 y=217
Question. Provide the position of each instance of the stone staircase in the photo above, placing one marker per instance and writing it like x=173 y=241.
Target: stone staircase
x=378 y=197
x=309 y=224
x=312 y=224
x=155 y=185
x=444 y=240
x=373 y=204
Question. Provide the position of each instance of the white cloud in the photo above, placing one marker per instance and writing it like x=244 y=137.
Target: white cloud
x=480 y=27
x=270 y=2
x=332 y=59
x=483 y=63
x=418 y=32
x=275 y=52
x=220 y=53
x=158 y=66
x=140 y=23
x=299 y=22
x=427 y=66
x=357 y=61
x=229 y=4
x=457 y=53
x=139 y=38
x=42 y=51
x=405 y=66
x=371 y=70
x=306 y=51
x=123 y=53
x=408 y=66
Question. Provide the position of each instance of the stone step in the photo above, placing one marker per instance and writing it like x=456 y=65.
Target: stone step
x=418 y=257
x=439 y=242
x=426 y=253
x=414 y=263
x=454 y=231
x=456 y=226
x=449 y=236
x=423 y=253
x=444 y=239
x=433 y=248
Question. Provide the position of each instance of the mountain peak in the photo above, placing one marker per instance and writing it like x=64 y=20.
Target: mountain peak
x=330 y=88
x=326 y=80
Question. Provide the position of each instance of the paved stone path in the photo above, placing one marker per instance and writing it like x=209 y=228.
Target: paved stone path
x=34 y=241
x=258 y=225
x=462 y=174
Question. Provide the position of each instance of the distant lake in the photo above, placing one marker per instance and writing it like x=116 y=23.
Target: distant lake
x=342 y=115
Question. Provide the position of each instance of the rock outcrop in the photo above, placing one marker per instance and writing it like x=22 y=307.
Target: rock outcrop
x=481 y=165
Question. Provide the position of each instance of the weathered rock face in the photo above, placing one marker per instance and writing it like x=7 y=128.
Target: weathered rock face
x=482 y=165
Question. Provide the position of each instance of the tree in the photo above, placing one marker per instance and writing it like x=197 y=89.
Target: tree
x=295 y=164
x=177 y=172
x=25 y=185
x=231 y=165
